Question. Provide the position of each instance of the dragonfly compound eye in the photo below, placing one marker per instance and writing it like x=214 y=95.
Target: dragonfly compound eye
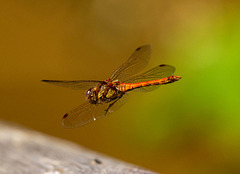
x=89 y=94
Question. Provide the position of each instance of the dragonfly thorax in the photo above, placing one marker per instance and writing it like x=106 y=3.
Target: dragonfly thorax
x=104 y=92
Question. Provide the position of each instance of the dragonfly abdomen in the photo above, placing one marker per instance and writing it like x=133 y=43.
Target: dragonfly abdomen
x=131 y=86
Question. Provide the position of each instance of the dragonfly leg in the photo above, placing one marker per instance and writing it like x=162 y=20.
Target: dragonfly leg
x=110 y=105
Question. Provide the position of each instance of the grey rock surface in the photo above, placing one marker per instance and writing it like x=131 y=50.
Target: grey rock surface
x=24 y=151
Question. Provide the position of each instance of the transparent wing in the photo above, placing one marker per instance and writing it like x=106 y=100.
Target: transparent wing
x=84 y=114
x=138 y=60
x=119 y=103
x=158 y=72
x=87 y=112
x=78 y=84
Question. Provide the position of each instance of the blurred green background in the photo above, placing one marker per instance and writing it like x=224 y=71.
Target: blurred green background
x=191 y=126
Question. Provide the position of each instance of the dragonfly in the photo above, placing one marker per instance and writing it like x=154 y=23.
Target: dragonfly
x=104 y=97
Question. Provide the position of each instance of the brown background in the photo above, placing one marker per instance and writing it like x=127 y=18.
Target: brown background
x=191 y=126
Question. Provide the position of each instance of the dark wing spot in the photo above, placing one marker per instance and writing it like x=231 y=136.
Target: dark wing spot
x=162 y=65
x=138 y=48
x=65 y=115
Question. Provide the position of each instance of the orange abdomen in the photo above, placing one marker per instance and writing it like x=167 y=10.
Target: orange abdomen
x=131 y=86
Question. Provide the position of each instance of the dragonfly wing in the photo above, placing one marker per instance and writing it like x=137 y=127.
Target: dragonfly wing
x=87 y=112
x=138 y=60
x=78 y=84
x=158 y=72
x=79 y=116
x=119 y=103
x=83 y=114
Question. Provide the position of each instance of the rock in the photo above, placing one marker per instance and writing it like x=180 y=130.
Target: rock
x=24 y=151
